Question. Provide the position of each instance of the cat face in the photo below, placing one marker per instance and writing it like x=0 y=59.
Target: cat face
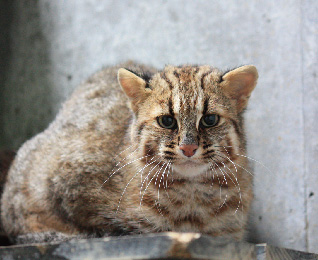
x=189 y=117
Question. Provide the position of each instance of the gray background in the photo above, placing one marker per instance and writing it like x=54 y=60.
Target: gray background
x=50 y=46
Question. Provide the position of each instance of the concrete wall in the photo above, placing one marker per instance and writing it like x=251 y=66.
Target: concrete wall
x=55 y=44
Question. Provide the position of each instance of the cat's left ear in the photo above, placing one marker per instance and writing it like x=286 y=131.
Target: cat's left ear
x=239 y=83
x=134 y=87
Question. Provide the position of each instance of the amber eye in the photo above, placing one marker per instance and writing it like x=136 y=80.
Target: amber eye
x=168 y=122
x=209 y=120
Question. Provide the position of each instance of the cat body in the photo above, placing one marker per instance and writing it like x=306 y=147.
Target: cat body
x=163 y=152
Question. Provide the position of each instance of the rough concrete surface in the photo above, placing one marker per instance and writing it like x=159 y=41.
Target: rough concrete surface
x=54 y=45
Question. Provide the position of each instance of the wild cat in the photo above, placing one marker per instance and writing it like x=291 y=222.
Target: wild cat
x=137 y=150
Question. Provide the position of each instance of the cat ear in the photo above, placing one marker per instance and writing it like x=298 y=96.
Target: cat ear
x=134 y=87
x=239 y=84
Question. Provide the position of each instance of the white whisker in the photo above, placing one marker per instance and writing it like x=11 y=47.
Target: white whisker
x=220 y=184
x=142 y=184
x=161 y=178
x=118 y=163
x=230 y=159
x=237 y=185
x=120 y=169
x=158 y=172
x=221 y=155
x=124 y=151
x=257 y=162
x=129 y=183
x=248 y=157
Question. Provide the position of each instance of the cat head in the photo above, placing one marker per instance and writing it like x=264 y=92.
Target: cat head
x=190 y=116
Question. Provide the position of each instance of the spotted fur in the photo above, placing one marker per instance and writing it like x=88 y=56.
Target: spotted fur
x=106 y=167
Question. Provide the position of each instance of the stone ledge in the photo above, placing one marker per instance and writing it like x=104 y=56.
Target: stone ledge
x=152 y=246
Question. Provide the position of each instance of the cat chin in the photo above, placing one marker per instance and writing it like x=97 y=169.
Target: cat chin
x=190 y=169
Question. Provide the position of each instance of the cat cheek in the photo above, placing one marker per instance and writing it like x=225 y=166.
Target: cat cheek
x=149 y=150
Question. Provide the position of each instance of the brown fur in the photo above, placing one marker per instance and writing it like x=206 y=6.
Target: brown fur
x=106 y=167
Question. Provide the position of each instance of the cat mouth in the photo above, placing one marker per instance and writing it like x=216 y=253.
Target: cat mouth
x=190 y=168
x=190 y=163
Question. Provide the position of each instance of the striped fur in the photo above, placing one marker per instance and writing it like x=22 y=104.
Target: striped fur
x=106 y=167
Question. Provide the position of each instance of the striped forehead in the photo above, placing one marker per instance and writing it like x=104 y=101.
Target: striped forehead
x=187 y=86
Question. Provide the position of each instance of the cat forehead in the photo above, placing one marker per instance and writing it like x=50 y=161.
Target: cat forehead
x=188 y=82
x=189 y=72
x=187 y=78
x=186 y=89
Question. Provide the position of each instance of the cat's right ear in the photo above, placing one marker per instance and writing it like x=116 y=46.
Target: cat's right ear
x=133 y=86
x=239 y=83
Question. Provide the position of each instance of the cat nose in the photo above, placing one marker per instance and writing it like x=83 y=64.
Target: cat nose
x=188 y=149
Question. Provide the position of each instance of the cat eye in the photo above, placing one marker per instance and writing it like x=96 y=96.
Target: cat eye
x=167 y=121
x=209 y=120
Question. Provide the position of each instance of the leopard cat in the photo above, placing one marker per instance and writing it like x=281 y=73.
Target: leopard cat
x=137 y=150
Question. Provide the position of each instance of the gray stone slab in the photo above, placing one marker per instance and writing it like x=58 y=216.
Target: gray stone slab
x=57 y=44
x=310 y=84
x=153 y=246
x=268 y=252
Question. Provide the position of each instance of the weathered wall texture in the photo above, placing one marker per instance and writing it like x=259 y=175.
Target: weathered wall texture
x=57 y=44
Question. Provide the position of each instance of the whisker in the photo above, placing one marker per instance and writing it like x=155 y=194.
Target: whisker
x=142 y=184
x=167 y=175
x=224 y=202
x=220 y=184
x=225 y=166
x=269 y=171
x=220 y=191
x=226 y=195
x=125 y=150
x=121 y=168
x=223 y=176
x=161 y=178
x=158 y=172
x=172 y=175
x=236 y=183
x=248 y=157
x=129 y=183
x=157 y=206
x=118 y=163
x=169 y=168
x=222 y=156
x=157 y=201
x=230 y=159
x=213 y=172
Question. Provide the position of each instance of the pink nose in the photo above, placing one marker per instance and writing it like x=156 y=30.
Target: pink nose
x=188 y=149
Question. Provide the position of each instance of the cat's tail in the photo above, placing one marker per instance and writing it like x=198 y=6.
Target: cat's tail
x=6 y=158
